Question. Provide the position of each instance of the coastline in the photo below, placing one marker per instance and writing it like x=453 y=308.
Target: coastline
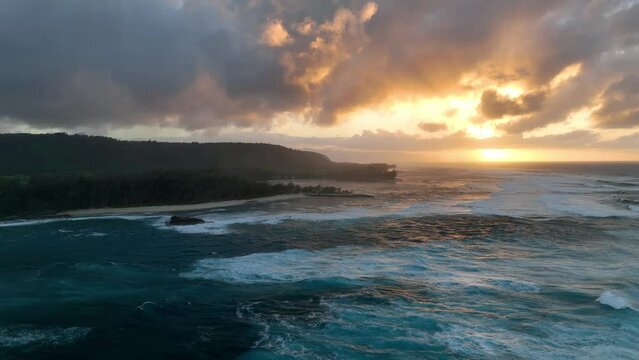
x=176 y=208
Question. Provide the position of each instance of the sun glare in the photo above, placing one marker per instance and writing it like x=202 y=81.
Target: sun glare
x=480 y=132
x=495 y=155
x=511 y=91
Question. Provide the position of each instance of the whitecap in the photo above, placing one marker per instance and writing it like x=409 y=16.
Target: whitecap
x=551 y=195
x=28 y=222
x=146 y=305
x=14 y=223
x=415 y=264
x=19 y=336
x=295 y=265
x=616 y=300
x=221 y=224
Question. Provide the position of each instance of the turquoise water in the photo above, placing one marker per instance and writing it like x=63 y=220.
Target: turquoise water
x=445 y=264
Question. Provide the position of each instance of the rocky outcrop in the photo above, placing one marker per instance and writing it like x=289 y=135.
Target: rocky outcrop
x=183 y=220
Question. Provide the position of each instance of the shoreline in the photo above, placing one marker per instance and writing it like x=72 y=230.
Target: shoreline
x=176 y=208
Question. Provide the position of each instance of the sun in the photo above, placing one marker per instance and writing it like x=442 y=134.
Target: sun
x=495 y=155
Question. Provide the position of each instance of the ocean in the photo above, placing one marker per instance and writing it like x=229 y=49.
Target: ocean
x=516 y=262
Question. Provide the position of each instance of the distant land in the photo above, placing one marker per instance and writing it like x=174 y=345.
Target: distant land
x=60 y=153
x=45 y=174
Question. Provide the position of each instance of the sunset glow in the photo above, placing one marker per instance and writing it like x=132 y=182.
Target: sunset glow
x=496 y=155
x=363 y=79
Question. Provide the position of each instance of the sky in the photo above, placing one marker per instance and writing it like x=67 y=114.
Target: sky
x=410 y=81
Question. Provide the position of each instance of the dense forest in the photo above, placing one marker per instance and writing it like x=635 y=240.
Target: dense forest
x=22 y=196
x=47 y=174
x=29 y=154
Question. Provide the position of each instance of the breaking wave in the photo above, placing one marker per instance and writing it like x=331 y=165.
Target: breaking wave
x=18 y=336
x=617 y=300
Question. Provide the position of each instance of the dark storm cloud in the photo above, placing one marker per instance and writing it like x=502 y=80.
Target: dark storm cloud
x=77 y=62
x=625 y=26
x=71 y=62
x=495 y=106
x=208 y=63
x=595 y=34
x=620 y=104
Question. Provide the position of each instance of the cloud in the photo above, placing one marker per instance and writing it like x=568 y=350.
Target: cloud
x=432 y=127
x=367 y=12
x=620 y=104
x=275 y=34
x=398 y=141
x=496 y=106
x=198 y=64
x=625 y=26
x=630 y=141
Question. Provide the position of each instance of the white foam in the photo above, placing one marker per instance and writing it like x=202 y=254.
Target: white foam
x=414 y=264
x=147 y=304
x=30 y=336
x=292 y=266
x=350 y=263
x=47 y=221
x=589 y=206
x=616 y=300
x=28 y=222
x=527 y=195
x=221 y=224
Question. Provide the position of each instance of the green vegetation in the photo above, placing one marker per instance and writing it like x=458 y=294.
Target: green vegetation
x=47 y=195
x=47 y=174
x=29 y=154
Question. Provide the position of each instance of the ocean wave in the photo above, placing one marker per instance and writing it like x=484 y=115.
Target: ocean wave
x=291 y=266
x=625 y=200
x=617 y=300
x=358 y=265
x=97 y=234
x=14 y=223
x=356 y=327
x=514 y=285
x=554 y=195
x=146 y=305
x=28 y=222
x=582 y=206
x=619 y=183
x=295 y=265
x=222 y=224
x=19 y=336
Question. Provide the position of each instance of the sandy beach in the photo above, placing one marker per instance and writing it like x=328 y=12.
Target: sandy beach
x=176 y=208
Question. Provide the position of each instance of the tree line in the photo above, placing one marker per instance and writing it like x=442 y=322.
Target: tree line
x=38 y=195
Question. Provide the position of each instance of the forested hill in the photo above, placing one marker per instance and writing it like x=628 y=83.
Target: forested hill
x=29 y=154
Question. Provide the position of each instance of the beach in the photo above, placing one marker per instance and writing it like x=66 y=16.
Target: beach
x=176 y=208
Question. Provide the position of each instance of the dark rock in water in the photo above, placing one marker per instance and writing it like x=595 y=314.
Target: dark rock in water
x=183 y=220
